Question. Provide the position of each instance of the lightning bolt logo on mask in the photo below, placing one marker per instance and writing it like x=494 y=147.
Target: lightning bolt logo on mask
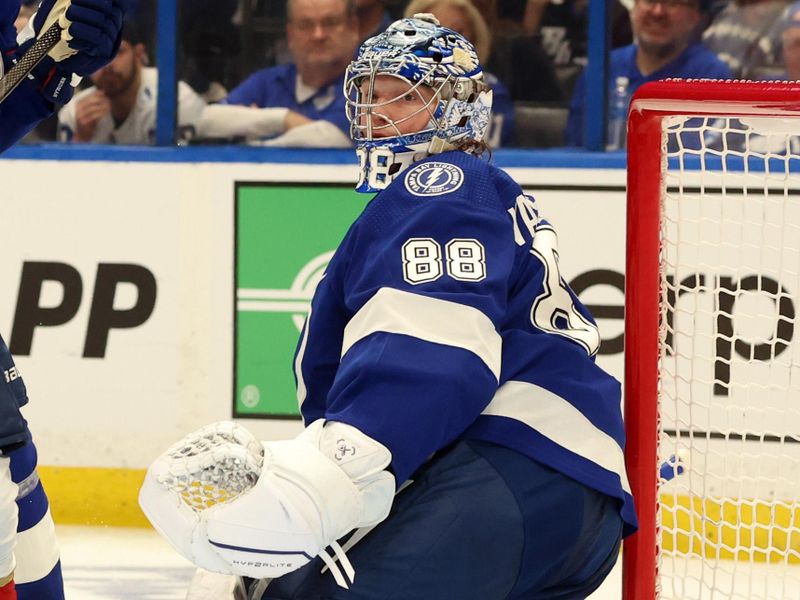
x=434 y=179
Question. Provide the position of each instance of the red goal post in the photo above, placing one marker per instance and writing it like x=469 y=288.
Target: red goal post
x=703 y=152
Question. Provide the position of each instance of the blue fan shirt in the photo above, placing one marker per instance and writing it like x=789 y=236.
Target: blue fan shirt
x=696 y=61
x=274 y=87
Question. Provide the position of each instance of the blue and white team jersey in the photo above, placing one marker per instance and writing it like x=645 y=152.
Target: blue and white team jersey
x=13 y=396
x=443 y=316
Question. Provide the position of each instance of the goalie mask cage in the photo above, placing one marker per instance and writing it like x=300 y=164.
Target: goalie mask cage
x=712 y=359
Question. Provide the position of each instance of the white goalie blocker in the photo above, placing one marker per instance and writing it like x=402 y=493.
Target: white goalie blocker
x=234 y=505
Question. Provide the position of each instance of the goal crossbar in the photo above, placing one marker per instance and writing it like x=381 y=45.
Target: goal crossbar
x=653 y=108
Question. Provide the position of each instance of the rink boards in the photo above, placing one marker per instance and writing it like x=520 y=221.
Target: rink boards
x=144 y=299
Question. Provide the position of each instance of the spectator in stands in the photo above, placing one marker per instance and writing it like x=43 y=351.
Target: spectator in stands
x=209 y=42
x=746 y=135
x=25 y=12
x=143 y=15
x=463 y=17
x=665 y=33
x=778 y=142
x=121 y=106
x=297 y=104
x=516 y=58
x=563 y=26
x=790 y=42
x=746 y=34
x=739 y=134
x=488 y=10
x=372 y=18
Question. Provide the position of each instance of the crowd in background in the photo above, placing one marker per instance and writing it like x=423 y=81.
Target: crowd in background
x=269 y=72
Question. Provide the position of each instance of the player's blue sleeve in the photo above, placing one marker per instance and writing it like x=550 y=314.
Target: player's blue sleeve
x=421 y=353
x=9 y=9
x=20 y=112
x=25 y=107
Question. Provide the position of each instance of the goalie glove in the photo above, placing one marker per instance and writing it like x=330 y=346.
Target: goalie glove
x=309 y=492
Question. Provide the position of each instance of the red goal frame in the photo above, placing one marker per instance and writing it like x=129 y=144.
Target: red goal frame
x=645 y=180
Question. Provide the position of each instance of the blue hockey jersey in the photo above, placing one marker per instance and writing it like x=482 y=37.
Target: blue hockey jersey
x=13 y=427
x=442 y=315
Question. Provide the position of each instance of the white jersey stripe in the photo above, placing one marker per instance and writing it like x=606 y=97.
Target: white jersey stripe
x=37 y=551
x=547 y=413
x=429 y=319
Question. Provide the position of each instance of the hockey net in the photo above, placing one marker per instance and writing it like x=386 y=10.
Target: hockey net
x=712 y=390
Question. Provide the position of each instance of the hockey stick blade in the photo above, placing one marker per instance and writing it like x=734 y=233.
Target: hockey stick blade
x=32 y=57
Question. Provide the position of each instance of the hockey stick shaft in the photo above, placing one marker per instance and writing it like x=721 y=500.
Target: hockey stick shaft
x=32 y=57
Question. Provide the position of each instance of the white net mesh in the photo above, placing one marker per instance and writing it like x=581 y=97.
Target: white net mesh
x=212 y=465
x=730 y=367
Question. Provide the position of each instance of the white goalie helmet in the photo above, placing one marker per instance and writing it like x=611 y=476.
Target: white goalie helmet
x=422 y=53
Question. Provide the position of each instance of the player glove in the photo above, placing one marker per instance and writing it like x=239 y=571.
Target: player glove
x=92 y=32
x=310 y=491
x=90 y=39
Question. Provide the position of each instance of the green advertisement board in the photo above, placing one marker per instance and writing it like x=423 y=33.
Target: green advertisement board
x=285 y=237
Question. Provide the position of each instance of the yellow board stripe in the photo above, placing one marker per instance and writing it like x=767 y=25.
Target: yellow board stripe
x=94 y=495
x=728 y=529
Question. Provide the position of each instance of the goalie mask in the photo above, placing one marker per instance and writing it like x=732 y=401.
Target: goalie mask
x=442 y=69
